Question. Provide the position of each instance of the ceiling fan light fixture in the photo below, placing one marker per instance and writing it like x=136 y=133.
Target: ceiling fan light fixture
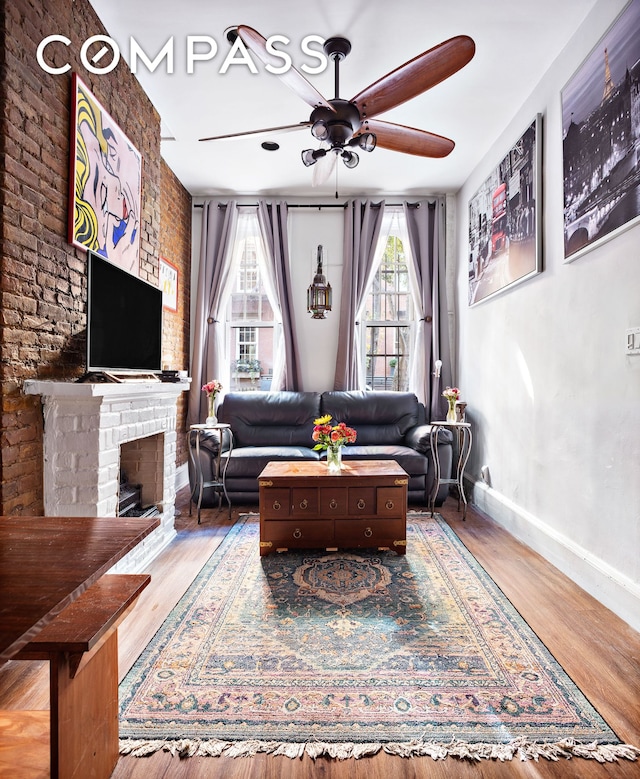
x=320 y=130
x=366 y=141
x=311 y=156
x=350 y=158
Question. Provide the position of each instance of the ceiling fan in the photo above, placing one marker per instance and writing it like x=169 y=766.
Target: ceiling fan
x=344 y=125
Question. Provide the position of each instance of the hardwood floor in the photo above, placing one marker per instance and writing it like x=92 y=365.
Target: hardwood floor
x=600 y=652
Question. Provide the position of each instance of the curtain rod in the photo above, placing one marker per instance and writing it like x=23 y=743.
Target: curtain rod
x=312 y=205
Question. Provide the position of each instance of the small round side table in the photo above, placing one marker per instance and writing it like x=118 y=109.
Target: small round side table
x=219 y=468
x=462 y=431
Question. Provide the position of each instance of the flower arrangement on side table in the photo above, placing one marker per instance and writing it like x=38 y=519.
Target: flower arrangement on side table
x=452 y=394
x=332 y=438
x=212 y=388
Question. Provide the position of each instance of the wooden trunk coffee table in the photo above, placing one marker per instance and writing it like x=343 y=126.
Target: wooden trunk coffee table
x=303 y=506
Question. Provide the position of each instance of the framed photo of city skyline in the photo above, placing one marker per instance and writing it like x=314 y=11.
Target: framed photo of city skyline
x=505 y=220
x=601 y=139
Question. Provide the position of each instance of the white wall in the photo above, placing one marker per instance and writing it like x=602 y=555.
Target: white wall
x=554 y=400
x=317 y=338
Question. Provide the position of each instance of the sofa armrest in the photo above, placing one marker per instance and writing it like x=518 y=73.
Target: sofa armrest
x=210 y=442
x=418 y=437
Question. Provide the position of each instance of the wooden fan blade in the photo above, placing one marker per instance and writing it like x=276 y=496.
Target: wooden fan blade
x=416 y=76
x=292 y=77
x=284 y=129
x=408 y=140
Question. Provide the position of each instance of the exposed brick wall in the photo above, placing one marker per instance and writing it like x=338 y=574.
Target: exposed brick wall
x=175 y=246
x=43 y=287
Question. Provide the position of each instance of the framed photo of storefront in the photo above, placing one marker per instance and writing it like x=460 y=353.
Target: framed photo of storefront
x=601 y=139
x=105 y=184
x=505 y=220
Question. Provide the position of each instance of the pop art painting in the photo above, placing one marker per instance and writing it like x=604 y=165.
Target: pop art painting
x=105 y=184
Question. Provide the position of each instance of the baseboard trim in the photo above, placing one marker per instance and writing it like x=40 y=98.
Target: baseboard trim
x=182 y=476
x=611 y=588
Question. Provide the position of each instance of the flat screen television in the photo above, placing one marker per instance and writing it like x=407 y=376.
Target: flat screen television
x=124 y=320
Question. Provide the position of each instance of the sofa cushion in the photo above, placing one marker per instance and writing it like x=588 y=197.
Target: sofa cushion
x=413 y=462
x=378 y=417
x=250 y=461
x=270 y=418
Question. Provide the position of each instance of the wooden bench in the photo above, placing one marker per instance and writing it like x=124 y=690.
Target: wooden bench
x=81 y=645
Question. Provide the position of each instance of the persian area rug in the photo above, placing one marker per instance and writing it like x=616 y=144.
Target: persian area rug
x=347 y=653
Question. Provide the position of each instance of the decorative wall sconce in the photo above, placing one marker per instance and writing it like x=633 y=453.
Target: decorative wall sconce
x=319 y=293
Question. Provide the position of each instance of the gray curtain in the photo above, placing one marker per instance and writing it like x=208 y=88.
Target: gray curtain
x=362 y=223
x=426 y=229
x=209 y=360
x=272 y=217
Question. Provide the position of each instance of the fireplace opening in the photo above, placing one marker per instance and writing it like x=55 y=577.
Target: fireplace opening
x=130 y=499
x=141 y=482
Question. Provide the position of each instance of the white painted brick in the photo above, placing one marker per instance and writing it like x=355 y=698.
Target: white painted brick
x=66 y=460
x=111 y=419
x=77 y=442
x=109 y=457
x=108 y=438
x=83 y=439
x=120 y=407
x=88 y=461
x=67 y=495
x=67 y=424
x=107 y=507
x=79 y=479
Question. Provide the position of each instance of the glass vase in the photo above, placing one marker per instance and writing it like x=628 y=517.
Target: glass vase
x=451 y=411
x=334 y=459
x=211 y=411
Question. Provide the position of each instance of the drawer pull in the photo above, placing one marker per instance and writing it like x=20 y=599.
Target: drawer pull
x=368 y=532
x=297 y=533
x=276 y=505
x=333 y=504
x=389 y=504
x=361 y=504
x=304 y=504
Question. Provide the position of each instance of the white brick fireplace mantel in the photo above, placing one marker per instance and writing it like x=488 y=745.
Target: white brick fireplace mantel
x=85 y=426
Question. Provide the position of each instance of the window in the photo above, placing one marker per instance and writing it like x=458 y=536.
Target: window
x=389 y=316
x=248 y=278
x=250 y=319
x=247 y=344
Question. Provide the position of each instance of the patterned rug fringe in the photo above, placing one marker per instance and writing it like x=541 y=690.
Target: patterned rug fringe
x=519 y=748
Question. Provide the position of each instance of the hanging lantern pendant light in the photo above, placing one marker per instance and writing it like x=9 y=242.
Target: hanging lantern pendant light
x=319 y=292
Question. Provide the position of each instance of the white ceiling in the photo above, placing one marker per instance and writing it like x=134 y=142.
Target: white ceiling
x=515 y=44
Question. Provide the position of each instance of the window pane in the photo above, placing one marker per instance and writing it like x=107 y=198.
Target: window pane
x=389 y=314
x=250 y=316
x=387 y=357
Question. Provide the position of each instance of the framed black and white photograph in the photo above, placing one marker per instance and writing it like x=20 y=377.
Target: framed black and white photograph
x=505 y=220
x=601 y=139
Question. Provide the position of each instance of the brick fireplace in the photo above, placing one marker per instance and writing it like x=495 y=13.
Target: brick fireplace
x=93 y=432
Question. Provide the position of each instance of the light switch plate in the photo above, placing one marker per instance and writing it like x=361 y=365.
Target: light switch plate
x=633 y=341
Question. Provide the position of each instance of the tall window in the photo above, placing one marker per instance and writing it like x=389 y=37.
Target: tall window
x=389 y=316
x=250 y=319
